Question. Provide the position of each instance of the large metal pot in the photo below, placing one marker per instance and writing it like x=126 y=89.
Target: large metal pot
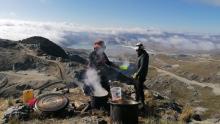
x=124 y=112
x=100 y=101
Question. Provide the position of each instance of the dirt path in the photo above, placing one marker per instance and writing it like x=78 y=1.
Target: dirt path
x=29 y=75
x=215 y=87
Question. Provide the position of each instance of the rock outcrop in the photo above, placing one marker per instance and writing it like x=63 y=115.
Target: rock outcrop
x=45 y=45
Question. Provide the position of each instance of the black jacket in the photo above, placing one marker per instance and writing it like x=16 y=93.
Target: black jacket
x=96 y=60
x=142 y=64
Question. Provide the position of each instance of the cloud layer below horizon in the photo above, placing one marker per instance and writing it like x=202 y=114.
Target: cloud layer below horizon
x=67 y=34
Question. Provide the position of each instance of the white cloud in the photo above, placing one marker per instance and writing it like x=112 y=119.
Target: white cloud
x=206 y=46
x=68 y=34
x=142 y=39
x=156 y=39
x=59 y=32
x=176 y=40
x=192 y=43
x=182 y=43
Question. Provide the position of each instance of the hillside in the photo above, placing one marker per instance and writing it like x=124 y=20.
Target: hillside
x=45 y=45
x=171 y=95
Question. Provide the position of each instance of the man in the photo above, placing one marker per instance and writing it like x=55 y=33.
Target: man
x=98 y=60
x=142 y=70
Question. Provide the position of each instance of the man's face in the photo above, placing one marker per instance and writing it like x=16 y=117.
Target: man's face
x=139 y=52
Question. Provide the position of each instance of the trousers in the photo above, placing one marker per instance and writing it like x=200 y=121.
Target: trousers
x=139 y=90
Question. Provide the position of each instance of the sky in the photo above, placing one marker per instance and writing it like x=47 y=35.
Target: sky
x=201 y=16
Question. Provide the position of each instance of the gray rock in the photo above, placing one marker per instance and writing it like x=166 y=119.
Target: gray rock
x=20 y=112
x=23 y=87
x=196 y=117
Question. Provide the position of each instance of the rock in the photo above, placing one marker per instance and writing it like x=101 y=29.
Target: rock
x=64 y=91
x=20 y=112
x=201 y=79
x=171 y=105
x=157 y=95
x=55 y=89
x=102 y=122
x=207 y=79
x=37 y=92
x=23 y=87
x=218 y=74
x=153 y=95
x=196 y=117
x=170 y=115
x=79 y=105
x=93 y=120
x=77 y=58
x=18 y=100
x=46 y=46
x=192 y=76
x=3 y=81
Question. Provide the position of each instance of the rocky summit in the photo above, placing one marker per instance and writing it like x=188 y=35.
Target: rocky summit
x=179 y=88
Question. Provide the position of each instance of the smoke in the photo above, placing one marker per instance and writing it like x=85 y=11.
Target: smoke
x=93 y=80
x=132 y=47
x=100 y=52
x=126 y=63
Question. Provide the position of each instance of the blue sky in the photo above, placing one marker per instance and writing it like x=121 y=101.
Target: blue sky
x=181 y=15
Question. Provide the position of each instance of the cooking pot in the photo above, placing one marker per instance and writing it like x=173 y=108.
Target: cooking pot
x=124 y=112
x=100 y=100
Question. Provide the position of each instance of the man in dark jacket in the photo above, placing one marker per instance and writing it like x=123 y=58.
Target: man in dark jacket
x=98 y=61
x=142 y=70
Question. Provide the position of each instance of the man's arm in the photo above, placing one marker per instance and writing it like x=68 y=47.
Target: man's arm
x=108 y=62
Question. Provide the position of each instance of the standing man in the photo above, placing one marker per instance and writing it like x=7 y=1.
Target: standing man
x=141 y=73
x=98 y=60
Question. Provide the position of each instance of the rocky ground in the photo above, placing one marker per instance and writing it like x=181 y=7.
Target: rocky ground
x=171 y=96
x=189 y=80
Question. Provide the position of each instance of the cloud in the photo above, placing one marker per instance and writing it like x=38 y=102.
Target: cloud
x=182 y=43
x=69 y=34
x=59 y=32
x=207 y=46
x=176 y=40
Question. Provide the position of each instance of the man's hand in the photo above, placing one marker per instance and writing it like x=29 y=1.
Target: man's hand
x=135 y=76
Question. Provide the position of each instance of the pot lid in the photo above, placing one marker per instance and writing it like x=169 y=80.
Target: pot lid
x=51 y=102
